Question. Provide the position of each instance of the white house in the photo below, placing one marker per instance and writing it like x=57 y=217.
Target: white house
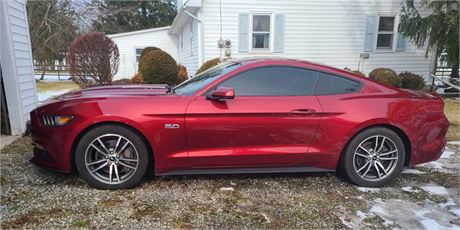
x=358 y=34
x=130 y=46
x=18 y=93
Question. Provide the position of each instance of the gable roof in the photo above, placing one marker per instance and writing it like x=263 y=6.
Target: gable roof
x=138 y=32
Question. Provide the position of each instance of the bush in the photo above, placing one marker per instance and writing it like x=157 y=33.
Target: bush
x=148 y=49
x=385 y=76
x=411 y=81
x=137 y=79
x=158 y=67
x=123 y=81
x=93 y=59
x=355 y=71
x=208 y=64
x=182 y=73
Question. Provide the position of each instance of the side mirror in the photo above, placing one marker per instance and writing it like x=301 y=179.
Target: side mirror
x=221 y=93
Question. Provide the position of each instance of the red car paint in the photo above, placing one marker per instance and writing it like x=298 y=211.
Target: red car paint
x=308 y=131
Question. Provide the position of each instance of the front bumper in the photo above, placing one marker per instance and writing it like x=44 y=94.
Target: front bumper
x=49 y=145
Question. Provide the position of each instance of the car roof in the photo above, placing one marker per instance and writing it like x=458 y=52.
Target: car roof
x=260 y=60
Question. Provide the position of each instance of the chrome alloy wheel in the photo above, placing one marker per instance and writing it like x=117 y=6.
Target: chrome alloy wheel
x=111 y=159
x=375 y=158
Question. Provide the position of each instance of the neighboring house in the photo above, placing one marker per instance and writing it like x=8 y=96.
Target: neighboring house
x=130 y=45
x=18 y=91
x=358 y=34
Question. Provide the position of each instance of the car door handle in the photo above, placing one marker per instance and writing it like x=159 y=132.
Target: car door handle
x=303 y=111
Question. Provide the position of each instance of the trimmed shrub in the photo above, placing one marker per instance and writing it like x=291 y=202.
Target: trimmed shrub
x=158 y=67
x=411 y=81
x=355 y=71
x=137 y=79
x=123 y=81
x=93 y=59
x=148 y=49
x=182 y=73
x=208 y=64
x=385 y=76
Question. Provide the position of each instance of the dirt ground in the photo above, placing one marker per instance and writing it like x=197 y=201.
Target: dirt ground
x=424 y=197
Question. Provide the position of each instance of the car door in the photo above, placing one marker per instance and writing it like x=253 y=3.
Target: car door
x=271 y=121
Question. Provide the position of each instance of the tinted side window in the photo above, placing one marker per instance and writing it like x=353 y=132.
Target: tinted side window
x=331 y=84
x=274 y=81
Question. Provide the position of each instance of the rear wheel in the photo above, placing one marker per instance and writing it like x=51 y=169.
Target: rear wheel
x=374 y=157
x=112 y=157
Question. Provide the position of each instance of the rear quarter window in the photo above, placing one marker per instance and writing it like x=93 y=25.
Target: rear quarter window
x=329 y=84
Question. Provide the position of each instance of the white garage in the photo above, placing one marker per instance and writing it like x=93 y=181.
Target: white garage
x=130 y=45
x=18 y=92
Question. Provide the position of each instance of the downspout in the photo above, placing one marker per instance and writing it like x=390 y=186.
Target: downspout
x=200 y=36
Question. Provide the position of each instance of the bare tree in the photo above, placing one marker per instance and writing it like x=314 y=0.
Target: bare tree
x=93 y=59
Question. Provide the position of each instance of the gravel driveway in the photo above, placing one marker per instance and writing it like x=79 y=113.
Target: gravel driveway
x=424 y=197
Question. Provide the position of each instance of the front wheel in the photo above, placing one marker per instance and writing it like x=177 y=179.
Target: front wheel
x=112 y=157
x=374 y=157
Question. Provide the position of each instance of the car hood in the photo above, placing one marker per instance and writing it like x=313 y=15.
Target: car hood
x=115 y=90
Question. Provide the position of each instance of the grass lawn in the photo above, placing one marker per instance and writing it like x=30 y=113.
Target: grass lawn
x=55 y=86
x=452 y=111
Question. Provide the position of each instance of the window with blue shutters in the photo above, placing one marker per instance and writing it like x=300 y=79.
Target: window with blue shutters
x=261 y=31
x=380 y=34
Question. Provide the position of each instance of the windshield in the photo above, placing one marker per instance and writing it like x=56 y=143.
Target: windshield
x=201 y=80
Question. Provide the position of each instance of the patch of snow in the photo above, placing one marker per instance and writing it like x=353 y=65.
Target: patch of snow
x=365 y=189
x=53 y=77
x=456 y=211
x=410 y=215
x=353 y=221
x=447 y=153
x=409 y=189
x=413 y=171
x=438 y=190
x=43 y=96
x=226 y=189
x=433 y=165
x=453 y=142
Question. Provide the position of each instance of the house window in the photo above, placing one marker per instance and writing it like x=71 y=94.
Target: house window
x=261 y=31
x=385 y=33
x=138 y=55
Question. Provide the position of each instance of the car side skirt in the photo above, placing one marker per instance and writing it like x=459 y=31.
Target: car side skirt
x=245 y=171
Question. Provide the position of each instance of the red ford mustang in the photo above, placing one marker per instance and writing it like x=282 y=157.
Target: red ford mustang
x=243 y=116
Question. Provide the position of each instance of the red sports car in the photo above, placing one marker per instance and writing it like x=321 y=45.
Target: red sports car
x=242 y=116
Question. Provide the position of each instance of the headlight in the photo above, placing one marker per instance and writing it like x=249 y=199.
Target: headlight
x=56 y=120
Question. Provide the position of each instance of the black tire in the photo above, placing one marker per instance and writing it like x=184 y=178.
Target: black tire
x=353 y=163
x=135 y=148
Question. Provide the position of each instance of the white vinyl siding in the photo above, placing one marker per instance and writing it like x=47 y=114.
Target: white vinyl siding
x=16 y=63
x=325 y=31
x=129 y=42
x=189 y=42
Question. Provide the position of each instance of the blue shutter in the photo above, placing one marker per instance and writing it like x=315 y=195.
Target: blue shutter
x=401 y=43
x=243 y=32
x=370 y=33
x=279 y=33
